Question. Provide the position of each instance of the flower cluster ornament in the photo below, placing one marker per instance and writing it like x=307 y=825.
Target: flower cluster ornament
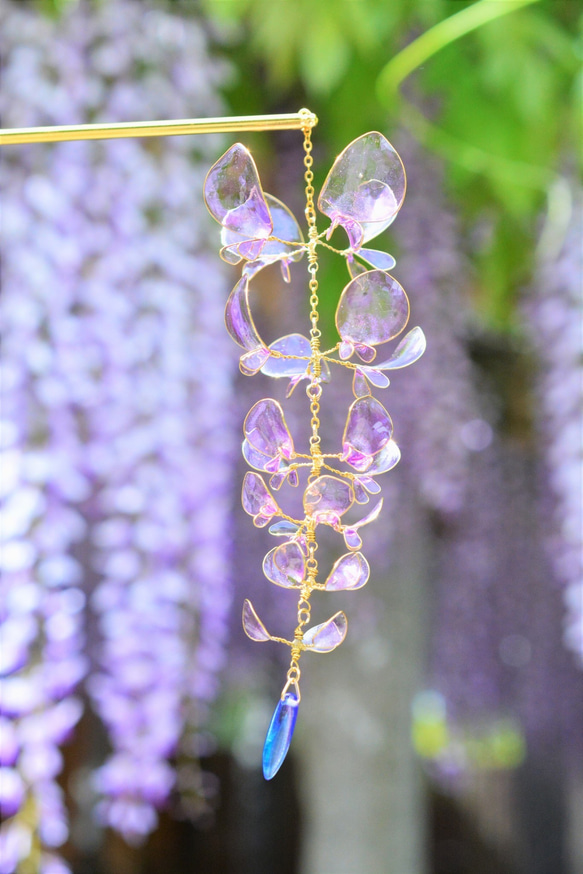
x=362 y=194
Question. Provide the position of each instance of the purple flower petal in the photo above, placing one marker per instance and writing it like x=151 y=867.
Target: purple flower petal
x=373 y=308
x=257 y=500
x=409 y=350
x=285 y=565
x=252 y=624
x=328 y=635
x=328 y=498
x=233 y=195
x=368 y=429
x=266 y=430
x=350 y=571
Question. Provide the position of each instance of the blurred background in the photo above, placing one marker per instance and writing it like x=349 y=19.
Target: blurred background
x=445 y=735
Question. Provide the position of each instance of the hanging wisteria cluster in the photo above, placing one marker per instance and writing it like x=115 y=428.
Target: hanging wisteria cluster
x=116 y=488
x=555 y=316
x=362 y=194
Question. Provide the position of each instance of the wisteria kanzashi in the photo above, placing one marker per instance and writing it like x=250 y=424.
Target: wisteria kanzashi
x=362 y=194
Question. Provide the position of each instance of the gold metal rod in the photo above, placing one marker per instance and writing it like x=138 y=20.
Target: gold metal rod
x=177 y=127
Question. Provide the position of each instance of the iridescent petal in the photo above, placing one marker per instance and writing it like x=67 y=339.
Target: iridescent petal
x=360 y=494
x=285 y=565
x=385 y=460
x=360 y=386
x=363 y=375
x=373 y=308
x=382 y=260
x=328 y=498
x=365 y=188
x=252 y=624
x=233 y=195
x=409 y=350
x=266 y=430
x=352 y=538
x=283 y=528
x=350 y=571
x=365 y=353
x=328 y=635
x=279 y=734
x=257 y=500
x=286 y=228
x=291 y=344
x=369 y=484
x=256 y=459
x=368 y=430
x=238 y=318
x=370 y=517
x=251 y=362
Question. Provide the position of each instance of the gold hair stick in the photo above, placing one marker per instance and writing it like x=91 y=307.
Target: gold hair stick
x=177 y=127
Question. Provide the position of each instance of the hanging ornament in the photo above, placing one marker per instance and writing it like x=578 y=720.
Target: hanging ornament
x=362 y=194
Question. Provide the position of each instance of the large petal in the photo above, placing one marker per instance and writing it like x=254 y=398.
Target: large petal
x=254 y=627
x=328 y=498
x=365 y=187
x=385 y=460
x=328 y=635
x=292 y=344
x=238 y=318
x=368 y=429
x=350 y=571
x=285 y=565
x=372 y=309
x=266 y=430
x=233 y=195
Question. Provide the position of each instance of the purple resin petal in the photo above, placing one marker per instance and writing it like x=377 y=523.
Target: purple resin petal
x=360 y=386
x=254 y=458
x=352 y=538
x=291 y=344
x=251 y=362
x=373 y=308
x=328 y=498
x=257 y=500
x=285 y=565
x=238 y=318
x=365 y=353
x=370 y=517
x=266 y=430
x=350 y=571
x=366 y=185
x=328 y=635
x=369 y=484
x=368 y=430
x=286 y=228
x=360 y=494
x=252 y=624
x=385 y=460
x=382 y=260
x=409 y=350
x=233 y=195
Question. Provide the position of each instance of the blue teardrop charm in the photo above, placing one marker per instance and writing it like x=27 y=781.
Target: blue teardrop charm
x=279 y=734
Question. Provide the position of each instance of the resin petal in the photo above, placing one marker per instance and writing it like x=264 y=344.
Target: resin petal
x=350 y=532
x=286 y=229
x=385 y=460
x=382 y=260
x=368 y=429
x=328 y=635
x=251 y=362
x=257 y=500
x=285 y=565
x=373 y=308
x=266 y=430
x=252 y=624
x=233 y=195
x=365 y=188
x=328 y=498
x=283 y=528
x=350 y=571
x=409 y=350
x=279 y=734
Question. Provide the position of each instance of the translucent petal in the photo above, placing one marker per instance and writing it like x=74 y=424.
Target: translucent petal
x=285 y=565
x=266 y=430
x=238 y=318
x=285 y=227
x=350 y=571
x=385 y=460
x=370 y=517
x=257 y=499
x=409 y=350
x=253 y=457
x=291 y=344
x=366 y=186
x=279 y=734
x=360 y=386
x=254 y=627
x=365 y=353
x=369 y=484
x=328 y=498
x=355 y=268
x=328 y=635
x=352 y=538
x=382 y=260
x=360 y=494
x=368 y=430
x=252 y=362
x=233 y=195
x=283 y=528
x=373 y=308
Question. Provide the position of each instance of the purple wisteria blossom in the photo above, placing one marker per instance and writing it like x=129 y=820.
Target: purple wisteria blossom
x=116 y=419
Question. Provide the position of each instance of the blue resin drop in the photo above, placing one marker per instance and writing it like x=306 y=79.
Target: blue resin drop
x=279 y=734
